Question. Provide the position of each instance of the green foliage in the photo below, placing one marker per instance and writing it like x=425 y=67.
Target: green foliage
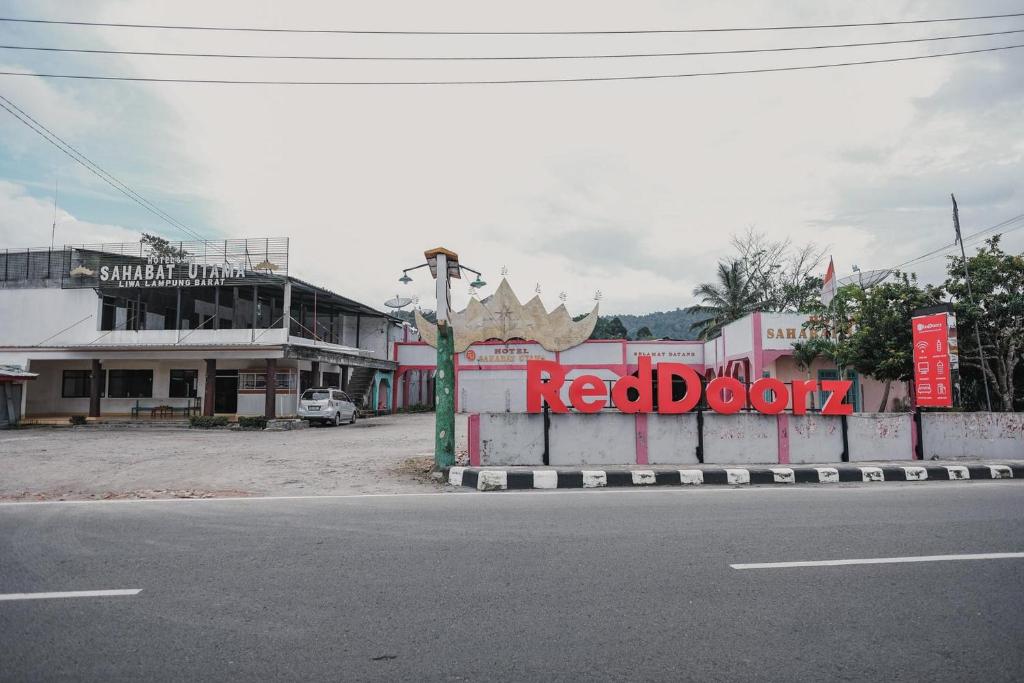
x=997 y=284
x=644 y=333
x=609 y=328
x=252 y=422
x=162 y=248
x=721 y=302
x=77 y=420
x=207 y=421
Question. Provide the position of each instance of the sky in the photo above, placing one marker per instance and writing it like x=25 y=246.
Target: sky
x=630 y=188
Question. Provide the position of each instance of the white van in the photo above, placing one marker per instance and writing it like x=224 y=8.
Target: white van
x=327 y=406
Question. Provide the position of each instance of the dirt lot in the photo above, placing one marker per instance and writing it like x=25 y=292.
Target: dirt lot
x=379 y=455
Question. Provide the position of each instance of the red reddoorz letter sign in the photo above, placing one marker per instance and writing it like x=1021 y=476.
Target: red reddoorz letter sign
x=724 y=394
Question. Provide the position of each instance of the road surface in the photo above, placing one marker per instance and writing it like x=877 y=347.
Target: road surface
x=596 y=585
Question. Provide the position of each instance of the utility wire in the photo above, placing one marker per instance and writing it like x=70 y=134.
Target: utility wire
x=222 y=55
x=939 y=252
x=51 y=137
x=513 y=81
x=504 y=33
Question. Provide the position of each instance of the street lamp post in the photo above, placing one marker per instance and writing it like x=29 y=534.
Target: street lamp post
x=444 y=265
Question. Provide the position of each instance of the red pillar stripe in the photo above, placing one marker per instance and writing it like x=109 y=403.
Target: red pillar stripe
x=783 y=427
x=473 y=437
x=641 y=438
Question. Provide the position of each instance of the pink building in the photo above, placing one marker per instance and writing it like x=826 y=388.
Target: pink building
x=491 y=376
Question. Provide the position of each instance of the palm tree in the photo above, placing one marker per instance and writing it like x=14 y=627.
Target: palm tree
x=729 y=299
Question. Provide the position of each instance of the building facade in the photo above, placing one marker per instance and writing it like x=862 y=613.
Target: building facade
x=184 y=328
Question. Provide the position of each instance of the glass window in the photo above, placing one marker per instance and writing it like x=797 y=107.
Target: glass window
x=77 y=384
x=316 y=395
x=258 y=380
x=184 y=384
x=131 y=383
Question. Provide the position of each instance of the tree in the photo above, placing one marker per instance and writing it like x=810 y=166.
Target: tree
x=159 y=247
x=882 y=339
x=729 y=299
x=607 y=328
x=997 y=283
x=644 y=333
x=781 y=274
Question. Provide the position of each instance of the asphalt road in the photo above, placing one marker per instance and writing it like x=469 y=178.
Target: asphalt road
x=596 y=585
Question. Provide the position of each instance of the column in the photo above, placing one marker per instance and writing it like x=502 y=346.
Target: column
x=95 y=388
x=344 y=377
x=271 y=406
x=314 y=371
x=210 y=392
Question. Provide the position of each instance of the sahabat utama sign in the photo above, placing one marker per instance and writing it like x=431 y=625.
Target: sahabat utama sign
x=545 y=380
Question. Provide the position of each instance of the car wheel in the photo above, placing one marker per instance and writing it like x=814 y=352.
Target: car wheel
x=336 y=420
x=353 y=420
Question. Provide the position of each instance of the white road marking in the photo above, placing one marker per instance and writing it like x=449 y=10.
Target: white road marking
x=70 y=594
x=879 y=560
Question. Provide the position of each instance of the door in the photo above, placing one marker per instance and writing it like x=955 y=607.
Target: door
x=226 y=396
x=852 y=396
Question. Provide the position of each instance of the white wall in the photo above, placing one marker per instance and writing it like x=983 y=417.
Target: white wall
x=973 y=435
x=28 y=316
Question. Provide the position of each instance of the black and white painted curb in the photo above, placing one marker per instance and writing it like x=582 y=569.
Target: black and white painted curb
x=495 y=479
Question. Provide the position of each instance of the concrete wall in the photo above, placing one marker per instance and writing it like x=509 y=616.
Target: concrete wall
x=973 y=435
x=880 y=436
x=599 y=439
x=815 y=438
x=743 y=438
x=610 y=438
x=511 y=439
x=492 y=391
x=672 y=439
x=45 y=312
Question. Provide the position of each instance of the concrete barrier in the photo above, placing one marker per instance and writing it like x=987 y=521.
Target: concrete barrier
x=672 y=439
x=598 y=439
x=511 y=439
x=611 y=438
x=745 y=438
x=880 y=436
x=973 y=435
x=815 y=438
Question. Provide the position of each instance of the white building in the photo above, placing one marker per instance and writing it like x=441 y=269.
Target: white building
x=184 y=328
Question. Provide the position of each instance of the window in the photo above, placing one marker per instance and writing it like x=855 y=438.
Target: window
x=77 y=383
x=258 y=380
x=131 y=383
x=183 y=384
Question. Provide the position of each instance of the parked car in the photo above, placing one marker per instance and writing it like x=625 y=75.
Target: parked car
x=327 y=406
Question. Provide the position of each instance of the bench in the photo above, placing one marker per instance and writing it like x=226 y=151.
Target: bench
x=194 y=407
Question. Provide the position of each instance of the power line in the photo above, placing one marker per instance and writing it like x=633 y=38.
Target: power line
x=55 y=140
x=222 y=55
x=514 y=81
x=935 y=253
x=504 y=33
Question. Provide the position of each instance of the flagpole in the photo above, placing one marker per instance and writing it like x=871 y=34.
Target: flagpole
x=970 y=297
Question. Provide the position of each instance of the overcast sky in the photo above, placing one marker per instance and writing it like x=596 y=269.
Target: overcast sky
x=632 y=188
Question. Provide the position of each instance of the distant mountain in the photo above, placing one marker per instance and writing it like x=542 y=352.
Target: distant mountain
x=662 y=324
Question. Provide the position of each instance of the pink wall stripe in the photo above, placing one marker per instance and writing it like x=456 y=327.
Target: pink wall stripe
x=473 y=437
x=641 y=438
x=783 y=426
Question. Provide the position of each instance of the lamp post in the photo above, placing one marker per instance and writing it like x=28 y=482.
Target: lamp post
x=444 y=265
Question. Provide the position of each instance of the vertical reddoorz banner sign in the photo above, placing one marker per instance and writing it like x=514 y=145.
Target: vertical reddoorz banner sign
x=932 y=379
x=768 y=395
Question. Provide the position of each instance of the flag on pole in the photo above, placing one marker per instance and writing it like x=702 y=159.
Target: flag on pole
x=828 y=285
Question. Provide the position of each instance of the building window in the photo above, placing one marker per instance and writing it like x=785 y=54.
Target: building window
x=253 y=381
x=184 y=384
x=77 y=383
x=131 y=383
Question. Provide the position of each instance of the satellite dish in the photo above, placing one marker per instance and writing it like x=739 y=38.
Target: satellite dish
x=866 y=278
x=398 y=302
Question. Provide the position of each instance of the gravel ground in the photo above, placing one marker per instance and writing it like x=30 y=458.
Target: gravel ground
x=378 y=455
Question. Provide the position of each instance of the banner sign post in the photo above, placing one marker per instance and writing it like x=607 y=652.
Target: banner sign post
x=933 y=379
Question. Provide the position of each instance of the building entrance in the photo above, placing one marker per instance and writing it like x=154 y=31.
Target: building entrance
x=226 y=396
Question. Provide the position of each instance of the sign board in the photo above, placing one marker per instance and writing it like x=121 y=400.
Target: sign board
x=485 y=355
x=692 y=353
x=545 y=380
x=139 y=265
x=933 y=380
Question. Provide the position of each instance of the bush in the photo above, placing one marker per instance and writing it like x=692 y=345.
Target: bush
x=207 y=421
x=252 y=422
x=77 y=420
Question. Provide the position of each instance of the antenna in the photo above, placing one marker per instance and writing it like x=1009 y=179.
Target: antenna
x=53 y=228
